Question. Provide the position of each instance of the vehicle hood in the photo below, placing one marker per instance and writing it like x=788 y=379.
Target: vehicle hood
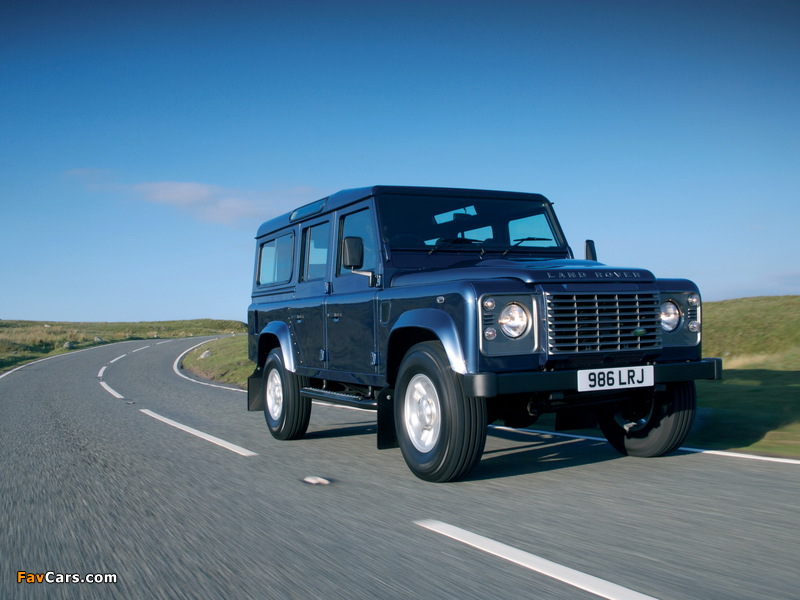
x=527 y=271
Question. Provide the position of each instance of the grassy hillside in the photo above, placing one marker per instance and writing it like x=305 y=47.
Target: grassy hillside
x=752 y=331
x=224 y=360
x=756 y=407
x=23 y=341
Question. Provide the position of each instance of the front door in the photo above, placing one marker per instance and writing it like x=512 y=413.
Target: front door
x=351 y=307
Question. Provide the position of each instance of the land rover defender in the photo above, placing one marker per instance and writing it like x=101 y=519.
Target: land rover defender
x=446 y=310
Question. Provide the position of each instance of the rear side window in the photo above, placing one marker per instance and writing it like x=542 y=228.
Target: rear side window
x=276 y=260
x=315 y=251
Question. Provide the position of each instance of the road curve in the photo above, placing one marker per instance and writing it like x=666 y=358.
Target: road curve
x=117 y=468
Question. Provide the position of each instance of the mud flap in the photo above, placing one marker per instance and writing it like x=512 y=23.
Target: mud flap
x=255 y=399
x=387 y=434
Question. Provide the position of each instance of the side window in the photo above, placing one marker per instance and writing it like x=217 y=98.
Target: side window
x=276 y=260
x=315 y=251
x=359 y=224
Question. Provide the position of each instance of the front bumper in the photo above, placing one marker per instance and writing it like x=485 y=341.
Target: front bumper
x=489 y=385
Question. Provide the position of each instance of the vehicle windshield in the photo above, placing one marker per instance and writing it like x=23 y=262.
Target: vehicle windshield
x=444 y=224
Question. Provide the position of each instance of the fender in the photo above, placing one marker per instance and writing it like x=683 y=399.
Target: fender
x=442 y=326
x=280 y=330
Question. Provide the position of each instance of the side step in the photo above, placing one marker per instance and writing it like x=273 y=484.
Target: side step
x=387 y=436
x=340 y=398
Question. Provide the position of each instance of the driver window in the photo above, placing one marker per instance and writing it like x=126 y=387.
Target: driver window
x=359 y=224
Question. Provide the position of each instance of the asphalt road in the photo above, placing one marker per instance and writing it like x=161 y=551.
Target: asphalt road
x=94 y=482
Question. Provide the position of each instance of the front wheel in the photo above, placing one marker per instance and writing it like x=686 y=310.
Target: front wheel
x=651 y=427
x=441 y=431
x=286 y=411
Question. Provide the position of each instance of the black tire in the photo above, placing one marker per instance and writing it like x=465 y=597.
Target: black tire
x=653 y=427
x=441 y=432
x=286 y=411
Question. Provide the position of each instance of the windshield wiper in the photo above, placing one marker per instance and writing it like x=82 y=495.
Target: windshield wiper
x=447 y=242
x=526 y=239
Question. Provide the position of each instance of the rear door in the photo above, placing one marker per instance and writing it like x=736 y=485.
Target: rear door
x=307 y=313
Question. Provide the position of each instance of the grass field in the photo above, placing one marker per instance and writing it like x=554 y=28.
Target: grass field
x=23 y=341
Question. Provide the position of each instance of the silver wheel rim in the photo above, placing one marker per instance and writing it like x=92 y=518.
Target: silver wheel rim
x=422 y=412
x=274 y=395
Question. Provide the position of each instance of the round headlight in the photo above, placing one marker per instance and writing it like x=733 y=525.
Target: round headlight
x=670 y=316
x=513 y=320
x=693 y=299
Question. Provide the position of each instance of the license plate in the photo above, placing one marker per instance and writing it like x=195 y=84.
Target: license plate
x=618 y=378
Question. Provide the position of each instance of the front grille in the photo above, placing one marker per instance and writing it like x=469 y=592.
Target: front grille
x=612 y=322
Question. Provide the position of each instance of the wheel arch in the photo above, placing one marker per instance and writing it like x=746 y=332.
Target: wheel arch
x=275 y=335
x=423 y=325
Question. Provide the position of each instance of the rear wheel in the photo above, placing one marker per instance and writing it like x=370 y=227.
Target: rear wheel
x=654 y=426
x=286 y=411
x=441 y=431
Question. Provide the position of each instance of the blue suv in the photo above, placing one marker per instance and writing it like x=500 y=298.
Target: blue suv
x=445 y=310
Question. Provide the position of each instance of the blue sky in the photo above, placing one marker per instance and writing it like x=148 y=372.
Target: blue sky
x=142 y=143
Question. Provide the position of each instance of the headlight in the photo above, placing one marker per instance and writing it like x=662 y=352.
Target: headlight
x=670 y=316
x=513 y=320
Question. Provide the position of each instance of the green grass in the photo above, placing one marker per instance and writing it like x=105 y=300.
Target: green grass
x=756 y=406
x=24 y=341
x=223 y=360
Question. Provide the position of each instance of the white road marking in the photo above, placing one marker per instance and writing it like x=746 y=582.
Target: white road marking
x=101 y=372
x=588 y=583
x=774 y=459
x=176 y=367
x=200 y=434
x=111 y=390
x=142 y=348
x=111 y=362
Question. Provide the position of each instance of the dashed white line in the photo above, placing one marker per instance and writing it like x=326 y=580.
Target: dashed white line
x=588 y=583
x=101 y=372
x=111 y=390
x=111 y=362
x=142 y=348
x=200 y=434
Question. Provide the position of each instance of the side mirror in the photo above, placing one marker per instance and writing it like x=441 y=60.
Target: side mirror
x=352 y=252
x=591 y=251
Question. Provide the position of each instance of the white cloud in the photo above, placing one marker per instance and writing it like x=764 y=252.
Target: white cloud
x=178 y=193
x=203 y=201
